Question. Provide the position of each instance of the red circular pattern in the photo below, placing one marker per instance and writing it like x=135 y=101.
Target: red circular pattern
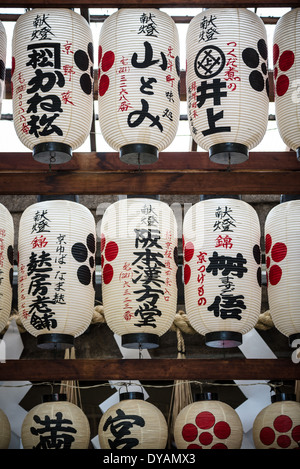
x=219 y=446
x=188 y=251
x=275 y=53
x=103 y=85
x=268 y=243
x=222 y=430
x=296 y=433
x=99 y=54
x=283 y=423
x=285 y=62
x=267 y=436
x=111 y=251
x=105 y=62
x=108 y=60
x=108 y=273
x=283 y=441
x=278 y=252
x=282 y=85
x=187 y=273
x=205 y=420
x=275 y=274
x=189 y=432
x=206 y=438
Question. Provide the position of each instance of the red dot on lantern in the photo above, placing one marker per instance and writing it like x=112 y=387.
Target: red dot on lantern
x=267 y=436
x=286 y=60
x=187 y=273
x=222 y=430
x=205 y=420
x=103 y=85
x=193 y=446
x=275 y=53
x=282 y=85
x=283 y=441
x=278 y=252
x=102 y=242
x=108 y=273
x=189 y=432
x=268 y=243
x=205 y=438
x=219 y=446
x=188 y=251
x=111 y=251
x=108 y=60
x=102 y=261
x=268 y=262
x=275 y=274
x=13 y=66
x=283 y=423
x=275 y=72
x=296 y=433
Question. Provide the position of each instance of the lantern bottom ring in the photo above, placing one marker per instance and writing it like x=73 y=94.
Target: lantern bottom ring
x=292 y=338
x=52 y=153
x=223 y=339
x=55 y=341
x=228 y=153
x=140 y=340
x=138 y=153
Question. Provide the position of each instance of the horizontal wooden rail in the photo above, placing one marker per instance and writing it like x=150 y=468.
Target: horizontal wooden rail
x=164 y=369
x=174 y=173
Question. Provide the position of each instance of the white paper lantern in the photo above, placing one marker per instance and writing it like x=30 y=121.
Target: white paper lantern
x=139 y=254
x=277 y=426
x=227 y=82
x=208 y=424
x=6 y=264
x=286 y=59
x=52 y=77
x=132 y=424
x=282 y=245
x=138 y=72
x=3 y=44
x=5 y=430
x=222 y=269
x=55 y=424
x=56 y=271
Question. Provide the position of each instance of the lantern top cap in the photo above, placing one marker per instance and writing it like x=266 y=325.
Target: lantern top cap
x=131 y=395
x=54 y=397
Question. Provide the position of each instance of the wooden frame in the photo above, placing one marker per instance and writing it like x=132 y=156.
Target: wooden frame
x=174 y=173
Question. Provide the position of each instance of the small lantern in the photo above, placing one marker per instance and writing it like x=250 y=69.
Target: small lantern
x=222 y=269
x=139 y=265
x=133 y=423
x=52 y=77
x=5 y=431
x=227 y=82
x=208 y=424
x=55 y=424
x=138 y=70
x=6 y=264
x=277 y=426
x=286 y=59
x=282 y=238
x=56 y=294
x=3 y=44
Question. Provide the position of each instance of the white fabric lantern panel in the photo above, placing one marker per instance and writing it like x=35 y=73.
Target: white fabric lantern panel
x=222 y=269
x=139 y=73
x=282 y=245
x=5 y=430
x=277 y=426
x=286 y=59
x=139 y=265
x=56 y=279
x=6 y=264
x=208 y=424
x=132 y=424
x=227 y=82
x=3 y=45
x=52 y=77
x=55 y=424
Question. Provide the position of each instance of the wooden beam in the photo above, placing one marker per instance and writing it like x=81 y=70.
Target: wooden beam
x=164 y=369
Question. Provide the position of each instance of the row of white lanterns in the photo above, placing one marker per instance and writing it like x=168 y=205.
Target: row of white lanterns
x=139 y=77
x=222 y=269
x=134 y=423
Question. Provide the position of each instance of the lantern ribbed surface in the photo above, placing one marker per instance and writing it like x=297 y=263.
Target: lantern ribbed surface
x=55 y=425
x=139 y=264
x=282 y=245
x=222 y=269
x=286 y=58
x=227 y=82
x=138 y=74
x=208 y=425
x=56 y=271
x=5 y=430
x=6 y=264
x=3 y=45
x=52 y=77
x=133 y=424
x=277 y=426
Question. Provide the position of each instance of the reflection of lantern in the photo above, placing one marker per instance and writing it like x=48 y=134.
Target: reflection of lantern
x=5 y=430
x=222 y=271
x=52 y=76
x=286 y=58
x=277 y=426
x=282 y=231
x=227 y=82
x=208 y=424
x=139 y=83
x=3 y=43
x=6 y=264
x=56 y=271
x=55 y=424
x=143 y=425
x=139 y=254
